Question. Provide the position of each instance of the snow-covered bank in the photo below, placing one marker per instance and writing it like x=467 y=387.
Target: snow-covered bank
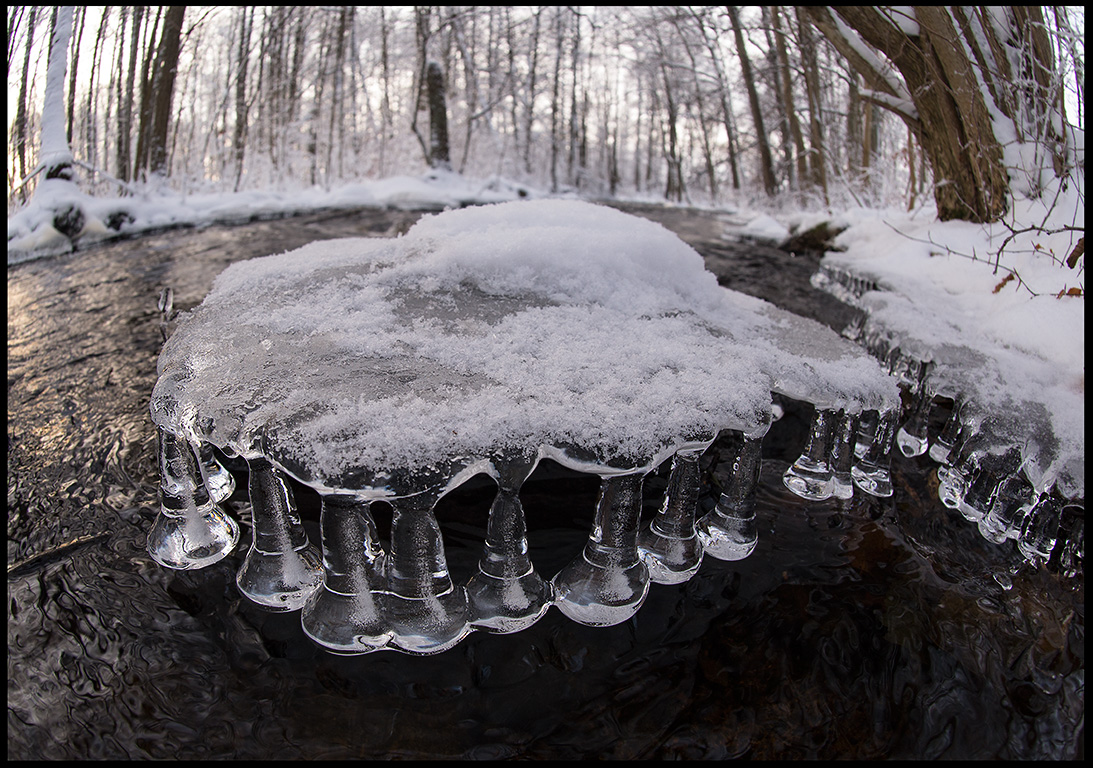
x=32 y=232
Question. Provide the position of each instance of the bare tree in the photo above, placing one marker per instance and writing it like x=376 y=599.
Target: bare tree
x=765 y=160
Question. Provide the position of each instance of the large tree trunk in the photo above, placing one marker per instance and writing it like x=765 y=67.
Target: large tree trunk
x=940 y=99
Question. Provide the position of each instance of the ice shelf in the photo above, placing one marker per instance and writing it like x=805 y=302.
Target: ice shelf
x=596 y=335
x=484 y=340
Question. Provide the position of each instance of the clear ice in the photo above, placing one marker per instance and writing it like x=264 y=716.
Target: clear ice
x=482 y=341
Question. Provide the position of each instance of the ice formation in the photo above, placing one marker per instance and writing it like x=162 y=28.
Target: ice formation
x=1013 y=449
x=484 y=340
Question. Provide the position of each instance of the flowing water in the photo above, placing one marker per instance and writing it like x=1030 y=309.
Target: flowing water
x=860 y=629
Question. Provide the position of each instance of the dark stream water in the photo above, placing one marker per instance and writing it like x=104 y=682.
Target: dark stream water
x=861 y=629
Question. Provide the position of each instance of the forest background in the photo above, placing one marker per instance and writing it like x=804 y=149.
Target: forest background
x=768 y=107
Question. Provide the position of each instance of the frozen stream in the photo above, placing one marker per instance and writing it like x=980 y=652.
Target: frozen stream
x=873 y=628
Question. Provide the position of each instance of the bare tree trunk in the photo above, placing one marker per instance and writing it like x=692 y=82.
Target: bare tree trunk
x=816 y=156
x=125 y=103
x=239 y=137
x=163 y=85
x=940 y=99
x=439 y=152
x=529 y=108
x=21 y=109
x=766 y=162
x=555 y=108
x=787 y=95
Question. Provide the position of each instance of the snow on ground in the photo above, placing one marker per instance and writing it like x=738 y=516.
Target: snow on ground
x=939 y=280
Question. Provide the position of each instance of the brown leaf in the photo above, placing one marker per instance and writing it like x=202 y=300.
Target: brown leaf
x=1079 y=249
x=1070 y=292
x=1008 y=278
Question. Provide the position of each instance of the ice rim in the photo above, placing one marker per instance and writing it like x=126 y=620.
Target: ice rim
x=598 y=338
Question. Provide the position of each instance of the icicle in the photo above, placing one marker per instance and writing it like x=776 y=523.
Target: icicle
x=729 y=532
x=607 y=582
x=508 y=594
x=913 y=437
x=1071 y=550
x=282 y=568
x=950 y=433
x=427 y=611
x=669 y=546
x=1040 y=529
x=1012 y=501
x=811 y=476
x=345 y=615
x=979 y=496
x=867 y=431
x=218 y=481
x=190 y=531
x=870 y=471
x=841 y=456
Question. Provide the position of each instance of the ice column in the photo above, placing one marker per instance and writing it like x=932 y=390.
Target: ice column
x=812 y=476
x=607 y=582
x=729 y=532
x=346 y=614
x=1040 y=529
x=427 y=611
x=841 y=456
x=190 y=531
x=945 y=441
x=871 y=471
x=282 y=568
x=1012 y=501
x=507 y=594
x=670 y=546
x=980 y=493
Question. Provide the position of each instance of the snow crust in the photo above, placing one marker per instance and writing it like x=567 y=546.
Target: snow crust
x=591 y=334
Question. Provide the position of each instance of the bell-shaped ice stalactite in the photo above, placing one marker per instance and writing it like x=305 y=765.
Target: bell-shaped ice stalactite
x=607 y=583
x=190 y=531
x=951 y=485
x=670 y=546
x=812 y=476
x=1040 y=529
x=729 y=531
x=867 y=422
x=913 y=436
x=427 y=610
x=282 y=567
x=871 y=470
x=1012 y=500
x=1070 y=550
x=947 y=438
x=979 y=495
x=345 y=615
x=218 y=481
x=841 y=455
x=507 y=594
x=962 y=467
